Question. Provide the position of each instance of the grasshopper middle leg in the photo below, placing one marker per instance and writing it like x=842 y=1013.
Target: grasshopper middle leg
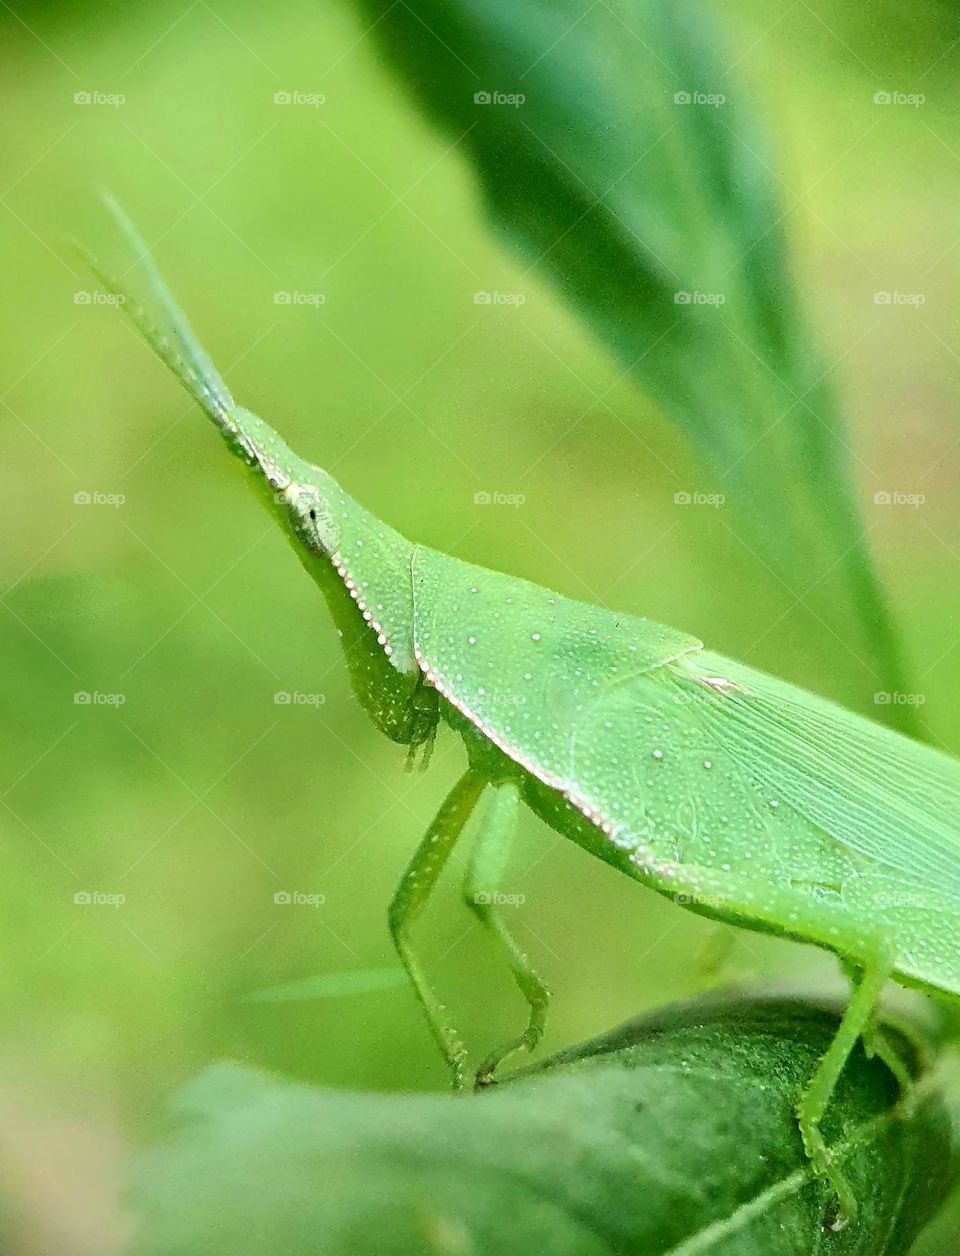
x=480 y=889
x=418 y=880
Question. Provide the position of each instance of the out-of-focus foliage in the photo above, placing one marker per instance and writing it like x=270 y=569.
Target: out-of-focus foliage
x=675 y=1133
x=200 y=799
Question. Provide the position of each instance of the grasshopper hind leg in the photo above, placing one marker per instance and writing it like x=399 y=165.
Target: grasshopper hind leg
x=857 y=1023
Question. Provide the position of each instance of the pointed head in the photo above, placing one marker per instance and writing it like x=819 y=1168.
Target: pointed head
x=298 y=490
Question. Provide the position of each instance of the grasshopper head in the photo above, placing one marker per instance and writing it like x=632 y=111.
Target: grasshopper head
x=298 y=490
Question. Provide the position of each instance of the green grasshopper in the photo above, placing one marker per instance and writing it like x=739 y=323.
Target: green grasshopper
x=739 y=796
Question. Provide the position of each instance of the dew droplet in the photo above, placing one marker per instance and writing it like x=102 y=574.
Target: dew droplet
x=707 y=764
x=658 y=754
x=471 y=641
x=534 y=636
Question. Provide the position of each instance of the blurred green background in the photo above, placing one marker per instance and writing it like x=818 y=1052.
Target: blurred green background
x=197 y=798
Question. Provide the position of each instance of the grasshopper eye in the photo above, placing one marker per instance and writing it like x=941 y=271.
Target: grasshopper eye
x=313 y=514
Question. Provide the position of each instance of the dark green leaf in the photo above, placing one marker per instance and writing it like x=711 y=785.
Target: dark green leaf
x=674 y=1134
x=636 y=174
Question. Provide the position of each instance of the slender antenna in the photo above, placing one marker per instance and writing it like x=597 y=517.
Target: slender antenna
x=174 y=343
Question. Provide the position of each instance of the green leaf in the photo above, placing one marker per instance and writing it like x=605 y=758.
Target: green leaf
x=633 y=171
x=674 y=1134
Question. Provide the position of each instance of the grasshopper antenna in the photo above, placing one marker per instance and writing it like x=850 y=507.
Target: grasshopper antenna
x=174 y=342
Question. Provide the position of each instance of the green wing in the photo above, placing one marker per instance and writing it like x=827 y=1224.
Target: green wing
x=707 y=762
x=877 y=793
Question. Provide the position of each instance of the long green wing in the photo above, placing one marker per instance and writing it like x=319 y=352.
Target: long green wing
x=879 y=794
x=681 y=755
